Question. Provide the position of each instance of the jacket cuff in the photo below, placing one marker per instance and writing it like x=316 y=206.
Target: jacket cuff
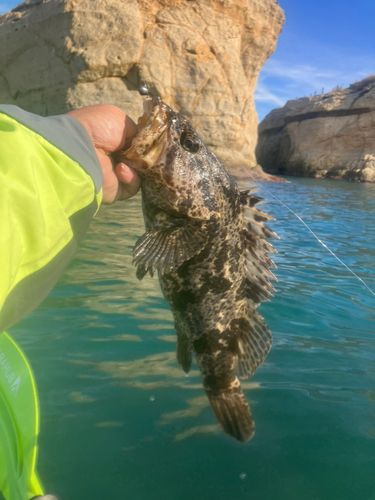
x=67 y=134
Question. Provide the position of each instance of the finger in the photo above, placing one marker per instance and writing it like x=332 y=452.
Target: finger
x=125 y=174
x=130 y=181
x=131 y=130
x=109 y=128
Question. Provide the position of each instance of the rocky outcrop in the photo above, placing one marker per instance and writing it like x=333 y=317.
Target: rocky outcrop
x=203 y=57
x=328 y=136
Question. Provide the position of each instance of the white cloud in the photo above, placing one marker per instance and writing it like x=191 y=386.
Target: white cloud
x=262 y=94
x=296 y=75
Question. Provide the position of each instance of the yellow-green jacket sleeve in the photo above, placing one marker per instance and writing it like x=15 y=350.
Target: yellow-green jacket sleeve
x=50 y=189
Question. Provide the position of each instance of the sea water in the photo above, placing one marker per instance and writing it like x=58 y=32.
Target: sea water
x=119 y=418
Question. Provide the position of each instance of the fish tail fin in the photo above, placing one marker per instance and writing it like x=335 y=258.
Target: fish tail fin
x=233 y=413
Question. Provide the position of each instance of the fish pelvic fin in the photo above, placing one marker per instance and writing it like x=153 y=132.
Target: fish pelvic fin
x=233 y=413
x=183 y=353
x=254 y=343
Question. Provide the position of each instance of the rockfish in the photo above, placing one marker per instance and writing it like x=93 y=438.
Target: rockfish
x=209 y=246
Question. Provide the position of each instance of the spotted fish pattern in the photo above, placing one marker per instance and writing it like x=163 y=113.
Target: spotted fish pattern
x=210 y=247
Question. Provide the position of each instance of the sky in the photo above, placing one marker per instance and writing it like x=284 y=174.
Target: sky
x=324 y=43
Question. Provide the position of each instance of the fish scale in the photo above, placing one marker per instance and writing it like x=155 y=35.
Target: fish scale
x=209 y=245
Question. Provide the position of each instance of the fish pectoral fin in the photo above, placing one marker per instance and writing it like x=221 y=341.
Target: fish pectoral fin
x=168 y=247
x=254 y=344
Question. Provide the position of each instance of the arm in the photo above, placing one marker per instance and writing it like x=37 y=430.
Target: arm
x=54 y=173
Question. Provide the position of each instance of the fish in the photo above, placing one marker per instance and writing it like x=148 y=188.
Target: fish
x=209 y=245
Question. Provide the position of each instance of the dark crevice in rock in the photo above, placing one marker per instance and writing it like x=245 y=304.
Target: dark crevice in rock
x=131 y=79
x=326 y=114
x=315 y=114
x=271 y=131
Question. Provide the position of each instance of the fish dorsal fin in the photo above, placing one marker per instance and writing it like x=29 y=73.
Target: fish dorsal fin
x=169 y=246
x=254 y=343
x=258 y=263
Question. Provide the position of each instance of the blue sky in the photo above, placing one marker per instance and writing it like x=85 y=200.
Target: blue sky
x=324 y=43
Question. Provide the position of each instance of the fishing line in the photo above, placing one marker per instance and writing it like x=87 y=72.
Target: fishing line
x=145 y=91
x=315 y=236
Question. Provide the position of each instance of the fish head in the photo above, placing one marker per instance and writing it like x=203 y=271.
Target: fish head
x=148 y=147
x=173 y=162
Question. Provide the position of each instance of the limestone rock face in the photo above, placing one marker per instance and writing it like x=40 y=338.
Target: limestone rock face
x=202 y=56
x=328 y=136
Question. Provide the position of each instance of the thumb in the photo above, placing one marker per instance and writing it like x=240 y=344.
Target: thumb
x=130 y=182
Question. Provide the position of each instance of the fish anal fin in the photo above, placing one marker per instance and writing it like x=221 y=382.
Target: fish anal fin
x=142 y=271
x=254 y=343
x=168 y=247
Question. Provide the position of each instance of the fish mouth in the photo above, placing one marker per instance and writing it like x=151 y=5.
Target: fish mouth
x=149 y=144
x=153 y=116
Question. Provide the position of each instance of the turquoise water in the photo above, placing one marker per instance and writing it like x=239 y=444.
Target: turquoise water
x=121 y=420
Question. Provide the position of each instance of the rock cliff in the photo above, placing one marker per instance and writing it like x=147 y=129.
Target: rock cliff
x=329 y=136
x=203 y=57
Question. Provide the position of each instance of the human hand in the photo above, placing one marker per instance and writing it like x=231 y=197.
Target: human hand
x=110 y=129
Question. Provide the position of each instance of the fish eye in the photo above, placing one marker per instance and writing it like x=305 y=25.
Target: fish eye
x=189 y=144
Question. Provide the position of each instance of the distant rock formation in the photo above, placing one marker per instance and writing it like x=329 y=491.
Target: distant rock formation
x=203 y=57
x=327 y=136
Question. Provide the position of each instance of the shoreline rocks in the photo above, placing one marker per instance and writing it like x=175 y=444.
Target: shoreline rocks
x=329 y=136
x=202 y=56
